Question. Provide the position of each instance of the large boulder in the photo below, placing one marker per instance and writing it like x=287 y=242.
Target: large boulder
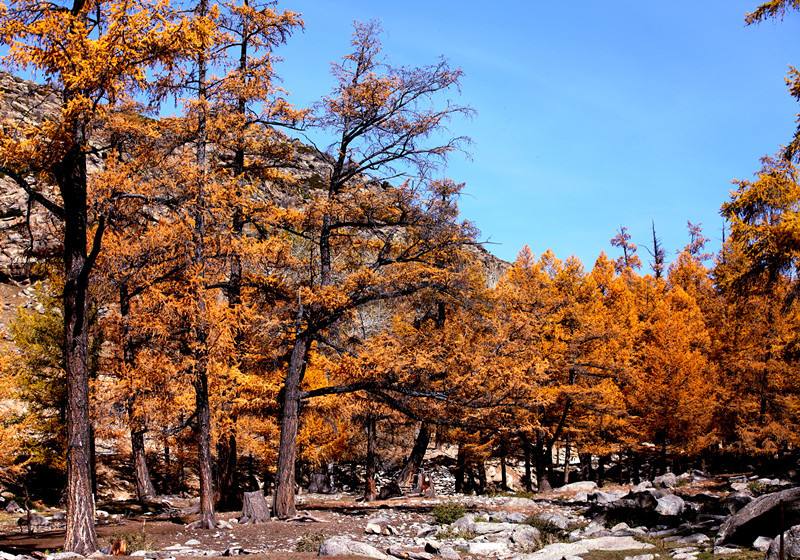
x=761 y=517
x=343 y=546
x=791 y=545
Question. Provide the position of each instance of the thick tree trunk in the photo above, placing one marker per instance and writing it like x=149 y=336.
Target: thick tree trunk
x=414 y=461
x=481 y=468
x=144 y=484
x=254 y=508
x=370 y=485
x=283 y=502
x=71 y=178
x=601 y=470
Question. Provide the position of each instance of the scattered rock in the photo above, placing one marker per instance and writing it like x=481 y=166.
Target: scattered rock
x=668 y=480
x=557 y=551
x=192 y=542
x=641 y=557
x=488 y=548
x=64 y=556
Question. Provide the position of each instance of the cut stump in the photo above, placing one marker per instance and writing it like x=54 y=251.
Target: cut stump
x=254 y=508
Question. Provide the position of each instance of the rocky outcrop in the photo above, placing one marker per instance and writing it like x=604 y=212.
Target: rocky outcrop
x=27 y=230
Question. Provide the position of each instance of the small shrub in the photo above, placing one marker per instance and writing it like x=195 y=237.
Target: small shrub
x=757 y=488
x=134 y=540
x=447 y=513
x=310 y=542
x=453 y=533
x=551 y=533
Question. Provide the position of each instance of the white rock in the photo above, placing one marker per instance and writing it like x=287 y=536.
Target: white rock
x=192 y=542
x=483 y=528
x=668 y=480
x=582 y=486
x=761 y=544
x=488 y=548
x=64 y=556
x=640 y=557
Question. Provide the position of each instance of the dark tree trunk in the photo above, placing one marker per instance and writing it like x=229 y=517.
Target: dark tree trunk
x=227 y=460
x=144 y=485
x=414 y=461
x=503 y=476
x=283 y=503
x=542 y=464
x=71 y=178
x=601 y=469
x=370 y=485
x=207 y=519
x=201 y=328
x=481 y=468
x=167 y=486
x=526 y=453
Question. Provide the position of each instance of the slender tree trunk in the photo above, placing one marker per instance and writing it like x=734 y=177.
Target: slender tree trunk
x=283 y=504
x=168 y=483
x=503 y=474
x=460 y=469
x=567 y=458
x=414 y=461
x=71 y=178
x=370 y=486
x=481 y=468
x=144 y=485
x=201 y=328
x=542 y=460
x=601 y=469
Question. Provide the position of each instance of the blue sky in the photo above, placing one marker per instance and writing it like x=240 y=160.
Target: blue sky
x=590 y=114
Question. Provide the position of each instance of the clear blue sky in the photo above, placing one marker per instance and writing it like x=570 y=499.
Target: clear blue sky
x=590 y=114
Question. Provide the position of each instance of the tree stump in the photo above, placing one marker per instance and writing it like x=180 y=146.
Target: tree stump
x=254 y=508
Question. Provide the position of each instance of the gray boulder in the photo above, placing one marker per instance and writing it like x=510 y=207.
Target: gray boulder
x=670 y=505
x=791 y=545
x=761 y=517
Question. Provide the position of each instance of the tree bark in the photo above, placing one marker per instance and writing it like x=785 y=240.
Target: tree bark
x=503 y=475
x=542 y=460
x=370 y=486
x=283 y=502
x=254 y=508
x=460 y=469
x=144 y=484
x=414 y=461
x=71 y=179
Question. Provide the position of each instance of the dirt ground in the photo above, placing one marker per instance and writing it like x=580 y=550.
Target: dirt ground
x=280 y=538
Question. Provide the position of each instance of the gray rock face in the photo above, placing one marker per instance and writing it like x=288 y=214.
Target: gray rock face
x=762 y=544
x=761 y=517
x=343 y=546
x=791 y=545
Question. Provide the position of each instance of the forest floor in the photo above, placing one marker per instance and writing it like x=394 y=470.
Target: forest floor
x=520 y=527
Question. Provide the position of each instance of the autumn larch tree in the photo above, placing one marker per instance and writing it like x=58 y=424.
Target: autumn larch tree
x=366 y=240
x=93 y=54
